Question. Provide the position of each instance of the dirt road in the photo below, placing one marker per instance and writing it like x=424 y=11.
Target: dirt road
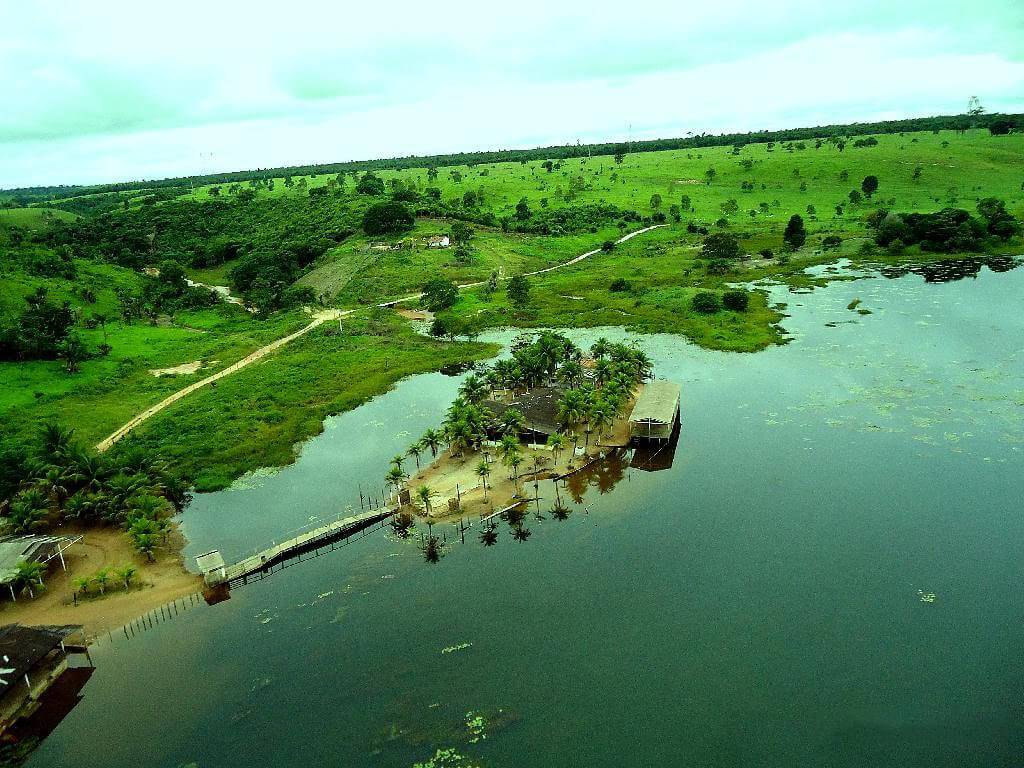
x=319 y=318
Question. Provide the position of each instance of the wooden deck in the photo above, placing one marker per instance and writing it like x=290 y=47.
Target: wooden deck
x=314 y=539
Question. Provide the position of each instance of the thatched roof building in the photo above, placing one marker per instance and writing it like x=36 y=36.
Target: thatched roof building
x=656 y=411
x=539 y=407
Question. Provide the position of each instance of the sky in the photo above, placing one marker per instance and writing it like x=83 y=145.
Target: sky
x=106 y=90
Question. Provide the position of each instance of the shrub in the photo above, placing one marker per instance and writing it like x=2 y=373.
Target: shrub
x=619 y=285
x=721 y=245
x=387 y=218
x=795 y=234
x=736 y=300
x=767 y=253
x=832 y=241
x=608 y=246
x=706 y=302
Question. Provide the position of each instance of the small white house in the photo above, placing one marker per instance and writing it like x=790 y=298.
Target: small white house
x=439 y=241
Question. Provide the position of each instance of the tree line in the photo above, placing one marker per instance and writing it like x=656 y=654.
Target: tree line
x=1001 y=122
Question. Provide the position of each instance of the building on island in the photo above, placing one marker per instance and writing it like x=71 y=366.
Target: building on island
x=539 y=407
x=439 y=241
x=33 y=663
x=30 y=549
x=656 y=411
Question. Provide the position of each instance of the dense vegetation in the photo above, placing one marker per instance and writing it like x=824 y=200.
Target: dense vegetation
x=91 y=304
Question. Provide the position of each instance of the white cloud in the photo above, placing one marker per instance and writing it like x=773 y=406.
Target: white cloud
x=125 y=91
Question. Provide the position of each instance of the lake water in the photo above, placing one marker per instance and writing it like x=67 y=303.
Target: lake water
x=766 y=601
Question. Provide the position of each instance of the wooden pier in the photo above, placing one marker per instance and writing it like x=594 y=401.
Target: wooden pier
x=217 y=573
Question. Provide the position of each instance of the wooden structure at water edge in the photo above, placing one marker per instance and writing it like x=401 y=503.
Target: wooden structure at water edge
x=217 y=574
x=656 y=411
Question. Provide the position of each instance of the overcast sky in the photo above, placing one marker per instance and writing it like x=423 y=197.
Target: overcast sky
x=105 y=91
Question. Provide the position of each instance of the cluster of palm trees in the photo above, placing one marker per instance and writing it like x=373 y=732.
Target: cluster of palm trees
x=593 y=406
x=593 y=398
x=102 y=578
x=59 y=480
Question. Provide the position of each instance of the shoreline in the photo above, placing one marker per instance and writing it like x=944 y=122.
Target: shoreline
x=153 y=585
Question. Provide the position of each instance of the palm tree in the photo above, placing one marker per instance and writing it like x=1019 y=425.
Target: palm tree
x=415 y=450
x=56 y=440
x=603 y=372
x=126 y=573
x=29 y=573
x=101 y=577
x=397 y=461
x=514 y=460
x=27 y=511
x=600 y=348
x=395 y=477
x=521 y=533
x=81 y=584
x=146 y=544
x=556 y=443
x=54 y=485
x=432 y=439
x=424 y=492
x=571 y=374
x=512 y=421
x=474 y=389
x=602 y=417
x=483 y=469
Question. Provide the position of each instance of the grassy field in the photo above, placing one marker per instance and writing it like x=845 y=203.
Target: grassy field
x=255 y=417
x=32 y=218
x=956 y=169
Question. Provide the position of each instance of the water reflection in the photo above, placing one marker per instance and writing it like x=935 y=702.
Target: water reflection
x=948 y=270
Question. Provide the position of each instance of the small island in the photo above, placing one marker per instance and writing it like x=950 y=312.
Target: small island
x=544 y=413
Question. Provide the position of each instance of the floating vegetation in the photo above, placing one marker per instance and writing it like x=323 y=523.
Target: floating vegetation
x=853 y=304
x=454 y=648
x=476 y=725
x=926 y=597
x=447 y=758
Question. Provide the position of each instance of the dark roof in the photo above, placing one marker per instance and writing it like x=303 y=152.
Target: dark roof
x=22 y=648
x=539 y=407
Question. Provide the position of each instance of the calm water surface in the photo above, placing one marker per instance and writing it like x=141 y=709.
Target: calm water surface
x=758 y=604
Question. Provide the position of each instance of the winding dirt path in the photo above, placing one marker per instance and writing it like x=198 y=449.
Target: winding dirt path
x=568 y=263
x=319 y=318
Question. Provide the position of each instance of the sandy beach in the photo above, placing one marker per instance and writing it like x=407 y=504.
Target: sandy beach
x=153 y=585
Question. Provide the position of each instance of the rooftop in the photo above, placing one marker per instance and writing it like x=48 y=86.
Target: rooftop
x=539 y=407
x=658 y=402
x=14 y=549
x=22 y=648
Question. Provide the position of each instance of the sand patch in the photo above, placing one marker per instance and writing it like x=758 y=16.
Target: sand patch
x=181 y=370
x=154 y=585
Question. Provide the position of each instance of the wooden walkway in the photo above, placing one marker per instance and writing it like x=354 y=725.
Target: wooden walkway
x=322 y=536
